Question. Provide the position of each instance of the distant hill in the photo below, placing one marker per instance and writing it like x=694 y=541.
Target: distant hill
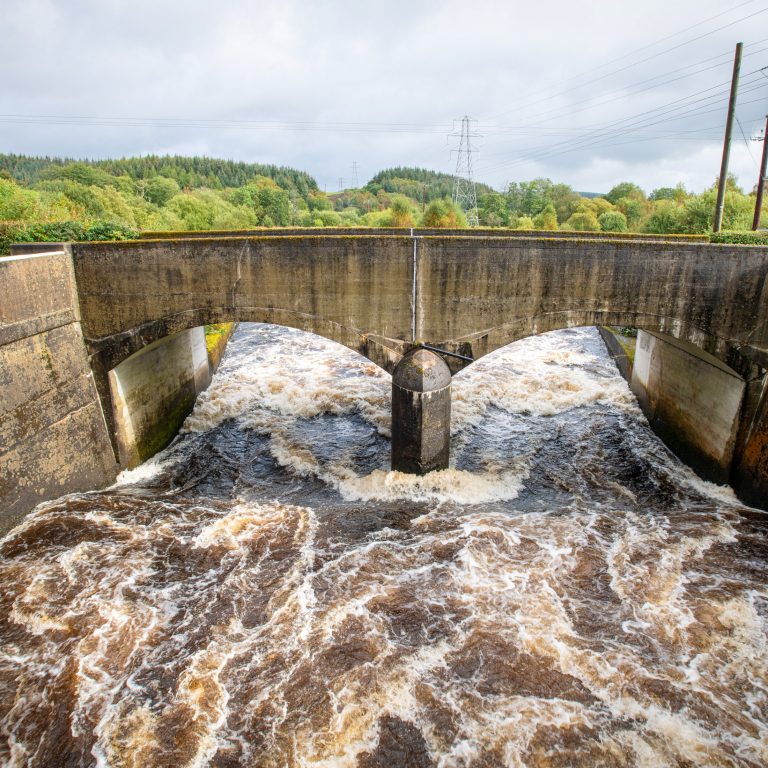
x=414 y=182
x=188 y=172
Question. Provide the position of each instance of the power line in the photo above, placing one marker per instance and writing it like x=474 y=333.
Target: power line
x=640 y=120
x=642 y=61
x=626 y=92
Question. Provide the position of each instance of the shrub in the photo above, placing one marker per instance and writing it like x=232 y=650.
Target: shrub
x=740 y=238
x=581 y=221
x=612 y=221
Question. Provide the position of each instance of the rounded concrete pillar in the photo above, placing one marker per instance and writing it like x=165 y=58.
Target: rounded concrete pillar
x=421 y=413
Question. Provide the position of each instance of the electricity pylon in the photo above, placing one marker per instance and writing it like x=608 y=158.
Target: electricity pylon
x=464 y=193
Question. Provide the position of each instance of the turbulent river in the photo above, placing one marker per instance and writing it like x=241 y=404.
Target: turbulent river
x=265 y=593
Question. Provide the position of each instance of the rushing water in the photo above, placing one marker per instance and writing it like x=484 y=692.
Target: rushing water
x=266 y=593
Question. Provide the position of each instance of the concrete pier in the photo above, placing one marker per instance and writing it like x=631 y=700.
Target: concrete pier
x=421 y=413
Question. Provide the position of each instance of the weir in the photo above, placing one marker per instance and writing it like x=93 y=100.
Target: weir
x=70 y=318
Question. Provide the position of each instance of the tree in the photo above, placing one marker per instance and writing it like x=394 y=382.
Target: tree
x=666 y=218
x=565 y=200
x=16 y=204
x=612 y=221
x=524 y=222
x=626 y=189
x=528 y=197
x=600 y=205
x=547 y=218
x=443 y=214
x=492 y=210
x=677 y=193
x=634 y=209
x=159 y=190
x=583 y=221
x=401 y=212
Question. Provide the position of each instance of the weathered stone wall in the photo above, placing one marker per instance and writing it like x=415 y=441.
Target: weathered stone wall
x=154 y=390
x=53 y=439
x=714 y=419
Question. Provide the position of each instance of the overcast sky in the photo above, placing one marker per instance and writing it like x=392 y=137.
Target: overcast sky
x=583 y=92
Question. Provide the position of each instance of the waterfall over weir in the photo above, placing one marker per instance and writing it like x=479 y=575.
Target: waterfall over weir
x=265 y=592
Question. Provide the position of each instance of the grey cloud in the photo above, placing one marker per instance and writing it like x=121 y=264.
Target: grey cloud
x=424 y=63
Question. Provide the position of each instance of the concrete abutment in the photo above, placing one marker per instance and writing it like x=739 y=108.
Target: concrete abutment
x=712 y=417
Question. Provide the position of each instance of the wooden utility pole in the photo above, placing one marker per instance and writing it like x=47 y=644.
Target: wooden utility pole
x=761 y=179
x=727 y=142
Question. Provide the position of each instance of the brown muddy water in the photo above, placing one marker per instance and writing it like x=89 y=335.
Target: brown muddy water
x=265 y=593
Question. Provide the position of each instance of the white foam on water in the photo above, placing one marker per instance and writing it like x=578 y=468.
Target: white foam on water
x=586 y=629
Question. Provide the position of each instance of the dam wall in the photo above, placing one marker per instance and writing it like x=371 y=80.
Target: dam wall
x=53 y=436
x=70 y=318
x=153 y=391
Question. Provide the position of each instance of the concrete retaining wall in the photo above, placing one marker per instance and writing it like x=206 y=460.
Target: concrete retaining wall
x=53 y=438
x=154 y=390
x=692 y=401
x=712 y=418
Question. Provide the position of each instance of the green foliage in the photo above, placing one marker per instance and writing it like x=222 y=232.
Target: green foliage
x=492 y=210
x=565 y=200
x=402 y=212
x=677 y=193
x=16 y=204
x=107 y=230
x=666 y=218
x=625 y=190
x=443 y=214
x=417 y=183
x=583 y=221
x=547 y=218
x=80 y=173
x=612 y=221
x=158 y=190
x=176 y=193
x=634 y=208
x=528 y=198
x=524 y=222
x=699 y=212
x=187 y=172
x=61 y=232
x=740 y=238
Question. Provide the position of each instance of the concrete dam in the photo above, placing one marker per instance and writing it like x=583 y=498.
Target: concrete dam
x=284 y=584
x=98 y=352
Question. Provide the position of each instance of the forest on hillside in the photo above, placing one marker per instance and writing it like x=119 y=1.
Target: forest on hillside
x=43 y=198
